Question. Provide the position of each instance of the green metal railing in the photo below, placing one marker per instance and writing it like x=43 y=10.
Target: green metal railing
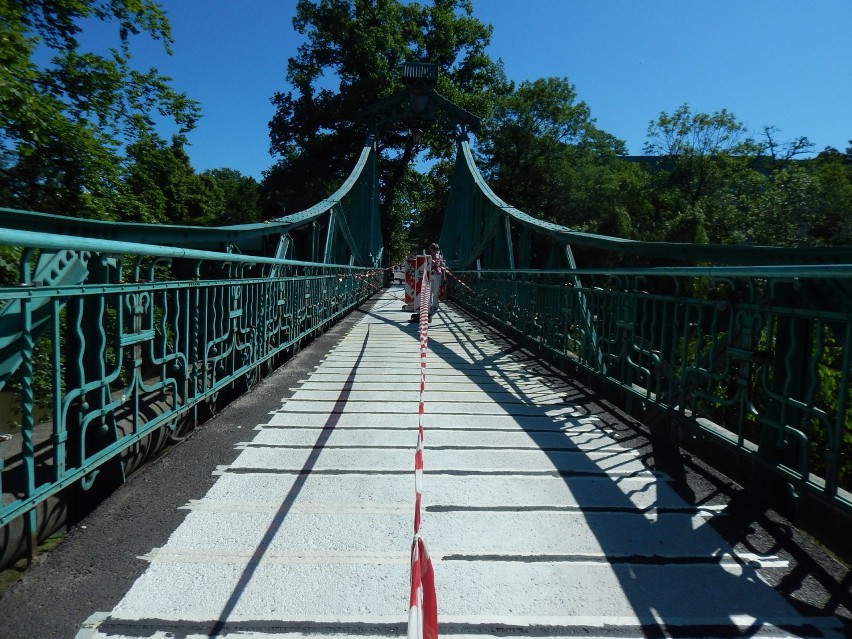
x=106 y=345
x=344 y=228
x=115 y=335
x=733 y=354
x=748 y=347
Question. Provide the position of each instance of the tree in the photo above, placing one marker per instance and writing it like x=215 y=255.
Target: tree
x=777 y=212
x=63 y=123
x=168 y=190
x=543 y=153
x=698 y=148
x=831 y=221
x=240 y=195
x=359 y=46
x=705 y=161
x=423 y=208
x=781 y=153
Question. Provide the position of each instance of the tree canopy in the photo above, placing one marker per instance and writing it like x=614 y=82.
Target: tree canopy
x=542 y=151
x=65 y=112
x=714 y=182
x=82 y=133
x=81 y=130
x=352 y=58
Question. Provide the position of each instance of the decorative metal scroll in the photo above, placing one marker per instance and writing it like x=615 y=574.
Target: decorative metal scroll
x=113 y=333
x=108 y=347
x=727 y=354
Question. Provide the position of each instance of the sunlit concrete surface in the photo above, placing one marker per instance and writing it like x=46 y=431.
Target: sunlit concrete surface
x=541 y=518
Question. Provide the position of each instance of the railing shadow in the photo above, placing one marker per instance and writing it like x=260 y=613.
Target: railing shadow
x=742 y=526
x=286 y=505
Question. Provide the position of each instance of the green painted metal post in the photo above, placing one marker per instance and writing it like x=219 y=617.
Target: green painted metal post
x=315 y=241
x=779 y=441
x=510 y=251
x=28 y=425
x=329 y=236
x=591 y=349
x=60 y=430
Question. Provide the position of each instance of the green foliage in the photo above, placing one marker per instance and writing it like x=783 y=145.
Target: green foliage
x=698 y=137
x=713 y=181
x=427 y=201
x=10 y=258
x=167 y=188
x=240 y=196
x=830 y=390
x=63 y=122
x=359 y=47
x=830 y=219
x=543 y=153
x=776 y=214
x=706 y=157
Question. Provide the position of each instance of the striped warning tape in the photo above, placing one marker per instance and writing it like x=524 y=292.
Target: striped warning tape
x=459 y=280
x=423 y=607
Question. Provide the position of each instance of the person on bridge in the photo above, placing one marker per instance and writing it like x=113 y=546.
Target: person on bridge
x=436 y=277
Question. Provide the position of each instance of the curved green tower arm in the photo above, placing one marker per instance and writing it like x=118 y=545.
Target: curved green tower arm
x=356 y=203
x=478 y=226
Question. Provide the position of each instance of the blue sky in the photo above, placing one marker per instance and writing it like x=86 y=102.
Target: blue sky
x=782 y=63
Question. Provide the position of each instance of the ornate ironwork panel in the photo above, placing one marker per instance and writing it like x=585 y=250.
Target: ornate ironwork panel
x=106 y=346
x=726 y=353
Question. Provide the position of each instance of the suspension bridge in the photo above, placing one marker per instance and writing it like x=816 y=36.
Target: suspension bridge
x=592 y=433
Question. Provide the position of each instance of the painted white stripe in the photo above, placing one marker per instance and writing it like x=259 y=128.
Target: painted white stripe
x=512 y=447
x=215 y=506
x=176 y=555
x=171 y=555
x=500 y=471
x=741 y=622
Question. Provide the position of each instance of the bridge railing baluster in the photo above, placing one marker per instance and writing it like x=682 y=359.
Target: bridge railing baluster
x=131 y=348
x=712 y=354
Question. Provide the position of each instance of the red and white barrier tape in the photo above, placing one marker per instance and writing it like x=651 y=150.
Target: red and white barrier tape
x=461 y=283
x=423 y=605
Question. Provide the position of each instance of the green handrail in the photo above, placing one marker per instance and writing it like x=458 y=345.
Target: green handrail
x=116 y=331
x=732 y=354
x=106 y=344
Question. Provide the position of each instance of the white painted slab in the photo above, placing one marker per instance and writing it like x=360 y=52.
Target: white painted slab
x=299 y=591
x=446 y=394
x=376 y=528
x=485 y=491
x=460 y=461
x=381 y=438
x=435 y=406
x=386 y=420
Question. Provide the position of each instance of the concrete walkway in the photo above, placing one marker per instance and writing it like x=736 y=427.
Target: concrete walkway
x=541 y=517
